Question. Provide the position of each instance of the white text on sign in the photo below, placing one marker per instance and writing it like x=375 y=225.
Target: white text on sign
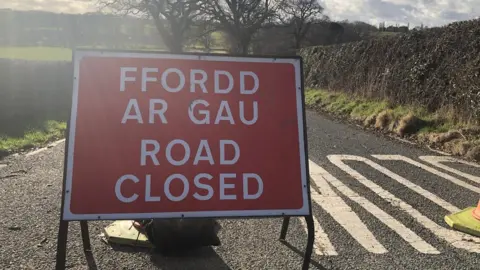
x=199 y=114
x=198 y=78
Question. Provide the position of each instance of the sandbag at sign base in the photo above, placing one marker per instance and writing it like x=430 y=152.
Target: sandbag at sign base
x=171 y=236
x=123 y=233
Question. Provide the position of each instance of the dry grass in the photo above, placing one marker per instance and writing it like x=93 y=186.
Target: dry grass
x=370 y=120
x=383 y=119
x=440 y=138
x=409 y=124
x=458 y=147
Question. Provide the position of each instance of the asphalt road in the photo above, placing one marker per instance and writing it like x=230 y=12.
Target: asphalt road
x=371 y=212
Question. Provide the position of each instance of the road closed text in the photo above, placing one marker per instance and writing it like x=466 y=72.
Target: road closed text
x=228 y=182
x=153 y=153
x=174 y=80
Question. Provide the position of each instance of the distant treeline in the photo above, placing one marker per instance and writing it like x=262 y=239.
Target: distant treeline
x=276 y=38
x=398 y=28
x=35 y=28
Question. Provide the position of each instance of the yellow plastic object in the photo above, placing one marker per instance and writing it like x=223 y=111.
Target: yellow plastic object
x=122 y=232
x=464 y=221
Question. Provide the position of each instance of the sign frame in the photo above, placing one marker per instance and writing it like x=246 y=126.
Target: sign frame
x=302 y=145
x=305 y=211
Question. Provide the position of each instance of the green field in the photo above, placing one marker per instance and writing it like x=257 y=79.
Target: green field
x=36 y=53
x=64 y=54
x=39 y=53
x=45 y=53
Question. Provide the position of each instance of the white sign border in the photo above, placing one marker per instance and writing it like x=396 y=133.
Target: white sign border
x=80 y=54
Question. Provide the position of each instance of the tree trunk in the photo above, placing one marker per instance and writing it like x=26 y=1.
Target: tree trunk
x=244 y=47
x=243 y=44
x=176 y=44
x=173 y=40
x=297 y=42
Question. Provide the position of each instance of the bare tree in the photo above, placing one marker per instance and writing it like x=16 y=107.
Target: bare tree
x=202 y=33
x=299 y=14
x=240 y=20
x=172 y=18
x=205 y=32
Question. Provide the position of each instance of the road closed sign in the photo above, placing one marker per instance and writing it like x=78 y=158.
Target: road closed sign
x=156 y=135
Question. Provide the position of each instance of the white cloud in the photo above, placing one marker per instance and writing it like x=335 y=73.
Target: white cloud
x=415 y=12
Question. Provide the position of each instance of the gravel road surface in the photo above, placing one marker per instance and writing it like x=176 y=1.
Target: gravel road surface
x=371 y=212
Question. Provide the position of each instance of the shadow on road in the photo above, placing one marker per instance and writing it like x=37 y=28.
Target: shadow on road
x=199 y=259
x=92 y=265
x=294 y=249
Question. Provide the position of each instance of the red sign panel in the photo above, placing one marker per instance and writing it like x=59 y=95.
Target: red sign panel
x=157 y=135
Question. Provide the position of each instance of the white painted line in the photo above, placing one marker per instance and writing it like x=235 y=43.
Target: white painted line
x=320 y=177
x=429 y=169
x=322 y=244
x=436 y=161
x=56 y=143
x=438 y=151
x=402 y=140
x=35 y=152
x=53 y=144
x=425 y=193
x=342 y=213
x=454 y=238
x=345 y=216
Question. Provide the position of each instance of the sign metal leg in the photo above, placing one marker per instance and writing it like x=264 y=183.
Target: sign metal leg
x=85 y=236
x=310 y=240
x=62 y=245
x=283 y=232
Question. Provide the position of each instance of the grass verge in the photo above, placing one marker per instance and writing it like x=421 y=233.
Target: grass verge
x=440 y=130
x=36 y=136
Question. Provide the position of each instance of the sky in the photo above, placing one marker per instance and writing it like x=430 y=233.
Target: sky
x=414 y=12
